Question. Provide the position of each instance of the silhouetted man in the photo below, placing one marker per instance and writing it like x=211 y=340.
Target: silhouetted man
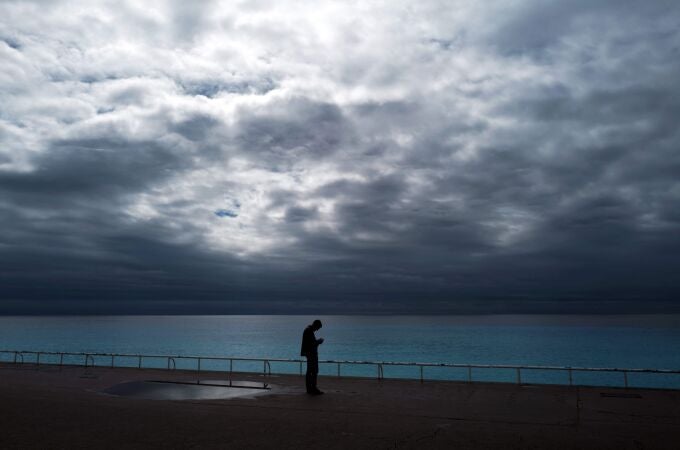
x=310 y=345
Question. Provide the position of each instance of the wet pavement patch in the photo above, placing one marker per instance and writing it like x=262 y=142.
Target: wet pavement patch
x=187 y=390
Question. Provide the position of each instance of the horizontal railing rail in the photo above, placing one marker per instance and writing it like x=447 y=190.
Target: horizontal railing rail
x=87 y=359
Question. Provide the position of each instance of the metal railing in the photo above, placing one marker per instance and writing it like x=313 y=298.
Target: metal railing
x=85 y=359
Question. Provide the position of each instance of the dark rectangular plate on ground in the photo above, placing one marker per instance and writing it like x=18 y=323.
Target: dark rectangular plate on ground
x=619 y=395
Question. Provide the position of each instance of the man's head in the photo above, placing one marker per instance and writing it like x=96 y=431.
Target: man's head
x=317 y=324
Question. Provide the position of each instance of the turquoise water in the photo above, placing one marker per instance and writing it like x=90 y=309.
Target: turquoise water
x=579 y=341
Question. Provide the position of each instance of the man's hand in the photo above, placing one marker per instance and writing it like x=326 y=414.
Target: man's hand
x=319 y=341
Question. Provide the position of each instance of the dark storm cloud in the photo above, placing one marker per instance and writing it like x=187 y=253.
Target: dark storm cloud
x=196 y=128
x=94 y=167
x=299 y=214
x=12 y=43
x=536 y=25
x=281 y=134
x=469 y=158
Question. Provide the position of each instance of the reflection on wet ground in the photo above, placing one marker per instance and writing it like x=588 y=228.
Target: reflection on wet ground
x=189 y=390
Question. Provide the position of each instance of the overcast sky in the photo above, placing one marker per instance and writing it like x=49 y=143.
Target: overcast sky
x=339 y=157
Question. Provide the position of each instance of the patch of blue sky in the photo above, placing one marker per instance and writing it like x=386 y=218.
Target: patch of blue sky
x=226 y=213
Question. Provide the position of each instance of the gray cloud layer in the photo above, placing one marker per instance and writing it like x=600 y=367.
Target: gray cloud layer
x=299 y=157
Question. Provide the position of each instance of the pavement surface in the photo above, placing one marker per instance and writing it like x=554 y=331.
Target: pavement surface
x=74 y=407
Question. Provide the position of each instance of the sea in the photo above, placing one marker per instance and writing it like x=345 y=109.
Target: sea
x=620 y=341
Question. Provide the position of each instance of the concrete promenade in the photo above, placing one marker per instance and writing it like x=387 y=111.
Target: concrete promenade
x=49 y=408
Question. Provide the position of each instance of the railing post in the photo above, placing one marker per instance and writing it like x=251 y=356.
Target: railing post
x=519 y=376
x=421 y=374
x=571 y=380
x=625 y=379
x=338 y=370
x=231 y=368
x=61 y=360
x=112 y=361
x=139 y=365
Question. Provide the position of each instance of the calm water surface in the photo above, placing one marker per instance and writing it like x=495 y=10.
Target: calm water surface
x=585 y=341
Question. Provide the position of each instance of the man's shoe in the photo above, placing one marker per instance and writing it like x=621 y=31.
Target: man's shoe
x=317 y=392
